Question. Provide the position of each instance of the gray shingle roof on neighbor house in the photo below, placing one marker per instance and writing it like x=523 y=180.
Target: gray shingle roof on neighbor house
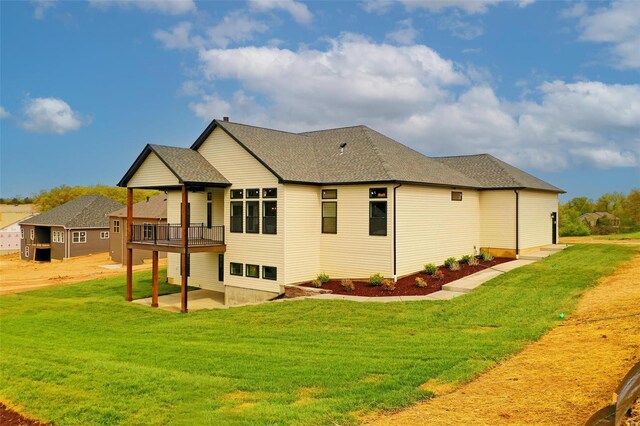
x=152 y=208
x=88 y=211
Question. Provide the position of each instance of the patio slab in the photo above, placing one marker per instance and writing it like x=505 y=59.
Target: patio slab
x=197 y=300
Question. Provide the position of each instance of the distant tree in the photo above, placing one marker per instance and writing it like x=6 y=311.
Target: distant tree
x=581 y=205
x=611 y=202
x=59 y=195
x=632 y=205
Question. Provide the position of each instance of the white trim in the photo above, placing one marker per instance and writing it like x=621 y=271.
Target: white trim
x=104 y=235
x=116 y=226
x=26 y=252
x=21 y=233
x=81 y=235
x=32 y=234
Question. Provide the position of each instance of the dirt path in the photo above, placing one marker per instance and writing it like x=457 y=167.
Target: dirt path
x=17 y=275
x=561 y=379
x=592 y=240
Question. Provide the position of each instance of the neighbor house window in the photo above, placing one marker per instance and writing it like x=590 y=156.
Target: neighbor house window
x=456 y=196
x=377 y=218
x=378 y=193
x=236 y=216
x=253 y=217
x=329 y=217
x=236 y=194
x=235 y=268
x=147 y=231
x=270 y=273
x=79 y=236
x=116 y=226
x=58 y=236
x=329 y=194
x=252 y=271
x=253 y=193
x=104 y=235
x=270 y=193
x=26 y=251
x=269 y=217
x=22 y=233
x=32 y=234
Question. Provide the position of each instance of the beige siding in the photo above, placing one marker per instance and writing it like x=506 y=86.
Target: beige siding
x=152 y=173
x=352 y=252
x=302 y=233
x=535 y=217
x=497 y=219
x=432 y=227
x=244 y=171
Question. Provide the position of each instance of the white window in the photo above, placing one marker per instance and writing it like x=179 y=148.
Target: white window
x=32 y=234
x=22 y=233
x=58 y=236
x=147 y=230
x=116 y=226
x=104 y=235
x=79 y=237
x=26 y=251
x=55 y=237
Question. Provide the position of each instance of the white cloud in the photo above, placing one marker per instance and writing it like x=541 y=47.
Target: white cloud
x=178 y=37
x=4 y=113
x=377 y=6
x=298 y=11
x=471 y=7
x=50 y=115
x=617 y=25
x=235 y=27
x=167 y=7
x=459 y=27
x=41 y=7
x=405 y=34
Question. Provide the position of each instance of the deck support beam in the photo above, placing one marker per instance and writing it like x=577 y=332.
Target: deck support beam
x=184 y=256
x=129 y=250
x=154 y=279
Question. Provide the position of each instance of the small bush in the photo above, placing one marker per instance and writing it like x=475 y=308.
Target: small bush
x=450 y=261
x=347 y=285
x=421 y=282
x=430 y=268
x=466 y=258
x=573 y=229
x=316 y=283
x=375 y=280
x=388 y=285
x=438 y=275
x=486 y=256
x=323 y=278
x=473 y=261
x=455 y=266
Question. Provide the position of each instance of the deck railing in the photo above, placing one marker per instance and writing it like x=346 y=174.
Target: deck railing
x=198 y=234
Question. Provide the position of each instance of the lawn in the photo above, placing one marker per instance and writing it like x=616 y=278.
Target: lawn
x=81 y=355
x=628 y=236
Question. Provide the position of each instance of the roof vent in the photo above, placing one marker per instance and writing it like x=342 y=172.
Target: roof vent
x=225 y=118
x=342 y=145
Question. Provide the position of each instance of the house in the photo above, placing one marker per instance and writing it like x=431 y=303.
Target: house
x=10 y=238
x=280 y=207
x=76 y=228
x=148 y=213
x=599 y=218
x=13 y=213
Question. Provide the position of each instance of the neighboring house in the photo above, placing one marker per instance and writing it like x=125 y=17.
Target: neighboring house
x=148 y=213
x=12 y=213
x=280 y=207
x=598 y=218
x=76 y=228
x=10 y=238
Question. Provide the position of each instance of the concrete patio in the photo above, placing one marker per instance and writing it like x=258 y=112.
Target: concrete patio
x=198 y=299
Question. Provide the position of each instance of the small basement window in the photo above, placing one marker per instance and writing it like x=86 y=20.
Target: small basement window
x=270 y=273
x=236 y=268
x=252 y=271
x=456 y=196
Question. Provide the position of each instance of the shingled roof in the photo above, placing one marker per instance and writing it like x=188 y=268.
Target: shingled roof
x=152 y=208
x=88 y=211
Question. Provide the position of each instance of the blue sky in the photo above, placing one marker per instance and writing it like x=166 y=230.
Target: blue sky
x=552 y=87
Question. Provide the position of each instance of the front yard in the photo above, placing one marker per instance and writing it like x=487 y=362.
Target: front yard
x=81 y=355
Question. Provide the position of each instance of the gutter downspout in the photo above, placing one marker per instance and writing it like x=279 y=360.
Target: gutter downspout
x=395 y=266
x=517 y=223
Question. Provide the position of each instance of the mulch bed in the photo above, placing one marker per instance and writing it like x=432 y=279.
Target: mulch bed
x=9 y=417
x=407 y=286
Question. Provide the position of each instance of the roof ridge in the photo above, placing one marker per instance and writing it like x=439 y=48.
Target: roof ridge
x=334 y=128
x=384 y=164
x=222 y=123
x=461 y=155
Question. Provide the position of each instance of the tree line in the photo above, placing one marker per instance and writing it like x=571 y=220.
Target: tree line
x=625 y=207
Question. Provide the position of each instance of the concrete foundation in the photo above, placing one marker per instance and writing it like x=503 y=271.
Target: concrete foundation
x=240 y=296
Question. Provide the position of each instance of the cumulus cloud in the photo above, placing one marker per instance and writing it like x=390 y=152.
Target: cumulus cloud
x=298 y=11
x=167 y=7
x=4 y=113
x=405 y=34
x=178 y=37
x=50 y=115
x=424 y=100
x=617 y=25
x=41 y=7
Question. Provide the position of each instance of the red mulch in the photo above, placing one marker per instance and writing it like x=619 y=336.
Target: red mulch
x=407 y=286
x=9 y=417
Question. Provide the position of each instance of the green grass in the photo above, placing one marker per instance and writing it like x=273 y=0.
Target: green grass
x=81 y=355
x=628 y=236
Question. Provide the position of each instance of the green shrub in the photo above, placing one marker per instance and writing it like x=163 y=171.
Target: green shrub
x=438 y=275
x=430 y=268
x=466 y=258
x=473 y=261
x=323 y=278
x=347 y=284
x=375 y=280
x=486 y=256
x=455 y=266
x=316 y=283
x=388 y=285
x=574 y=229
x=449 y=261
x=420 y=282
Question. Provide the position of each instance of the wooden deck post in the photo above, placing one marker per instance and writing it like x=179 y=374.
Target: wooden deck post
x=184 y=224
x=129 y=250
x=154 y=279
